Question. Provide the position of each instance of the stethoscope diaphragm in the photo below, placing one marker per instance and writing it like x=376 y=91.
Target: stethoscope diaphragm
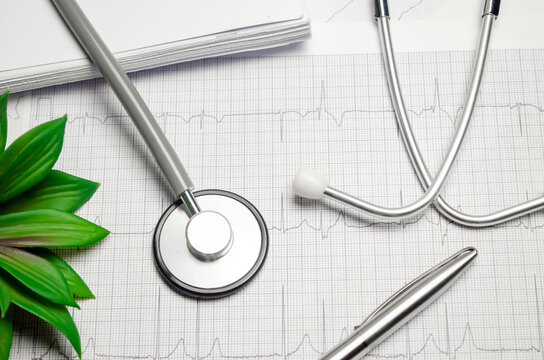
x=222 y=267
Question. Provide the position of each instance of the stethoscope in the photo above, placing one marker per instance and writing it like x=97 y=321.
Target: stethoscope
x=310 y=184
x=212 y=247
x=207 y=244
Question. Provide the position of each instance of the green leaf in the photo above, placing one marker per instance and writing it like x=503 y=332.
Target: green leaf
x=54 y=314
x=58 y=191
x=5 y=300
x=6 y=336
x=48 y=228
x=37 y=274
x=75 y=283
x=3 y=120
x=30 y=158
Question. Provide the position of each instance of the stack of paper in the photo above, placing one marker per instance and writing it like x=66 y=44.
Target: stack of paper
x=39 y=49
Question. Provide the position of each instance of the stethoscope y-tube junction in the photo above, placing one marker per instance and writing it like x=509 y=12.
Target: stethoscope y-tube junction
x=310 y=184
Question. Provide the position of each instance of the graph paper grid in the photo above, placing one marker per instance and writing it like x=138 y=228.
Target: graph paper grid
x=246 y=125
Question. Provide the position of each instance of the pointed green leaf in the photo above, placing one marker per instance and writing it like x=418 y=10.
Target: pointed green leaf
x=58 y=191
x=5 y=300
x=54 y=314
x=75 y=283
x=3 y=120
x=6 y=336
x=30 y=158
x=48 y=228
x=37 y=274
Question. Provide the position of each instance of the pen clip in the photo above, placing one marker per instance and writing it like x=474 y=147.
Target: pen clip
x=391 y=300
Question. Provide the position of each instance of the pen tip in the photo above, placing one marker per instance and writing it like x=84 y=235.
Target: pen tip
x=470 y=253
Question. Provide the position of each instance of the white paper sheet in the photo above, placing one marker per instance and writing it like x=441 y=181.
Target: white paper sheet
x=246 y=125
x=36 y=27
x=41 y=51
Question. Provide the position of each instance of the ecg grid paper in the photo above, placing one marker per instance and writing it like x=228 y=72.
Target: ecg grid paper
x=246 y=125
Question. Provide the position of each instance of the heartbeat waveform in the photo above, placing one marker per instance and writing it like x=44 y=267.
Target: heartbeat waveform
x=342 y=218
x=343 y=8
x=16 y=109
x=347 y=220
x=410 y=8
x=340 y=10
x=181 y=348
x=321 y=111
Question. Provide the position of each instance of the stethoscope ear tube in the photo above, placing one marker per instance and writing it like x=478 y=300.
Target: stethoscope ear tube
x=381 y=8
x=491 y=7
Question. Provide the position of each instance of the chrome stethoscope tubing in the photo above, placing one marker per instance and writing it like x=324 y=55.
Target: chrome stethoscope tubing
x=156 y=141
x=307 y=179
x=310 y=184
x=491 y=11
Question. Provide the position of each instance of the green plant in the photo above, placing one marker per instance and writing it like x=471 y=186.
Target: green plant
x=36 y=211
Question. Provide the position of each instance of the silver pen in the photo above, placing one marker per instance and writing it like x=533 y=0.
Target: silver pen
x=403 y=306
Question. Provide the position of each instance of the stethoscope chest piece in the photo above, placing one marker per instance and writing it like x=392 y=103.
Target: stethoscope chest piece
x=207 y=248
x=214 y=253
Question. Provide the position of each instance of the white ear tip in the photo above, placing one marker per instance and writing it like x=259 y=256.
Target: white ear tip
x=309 y=183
